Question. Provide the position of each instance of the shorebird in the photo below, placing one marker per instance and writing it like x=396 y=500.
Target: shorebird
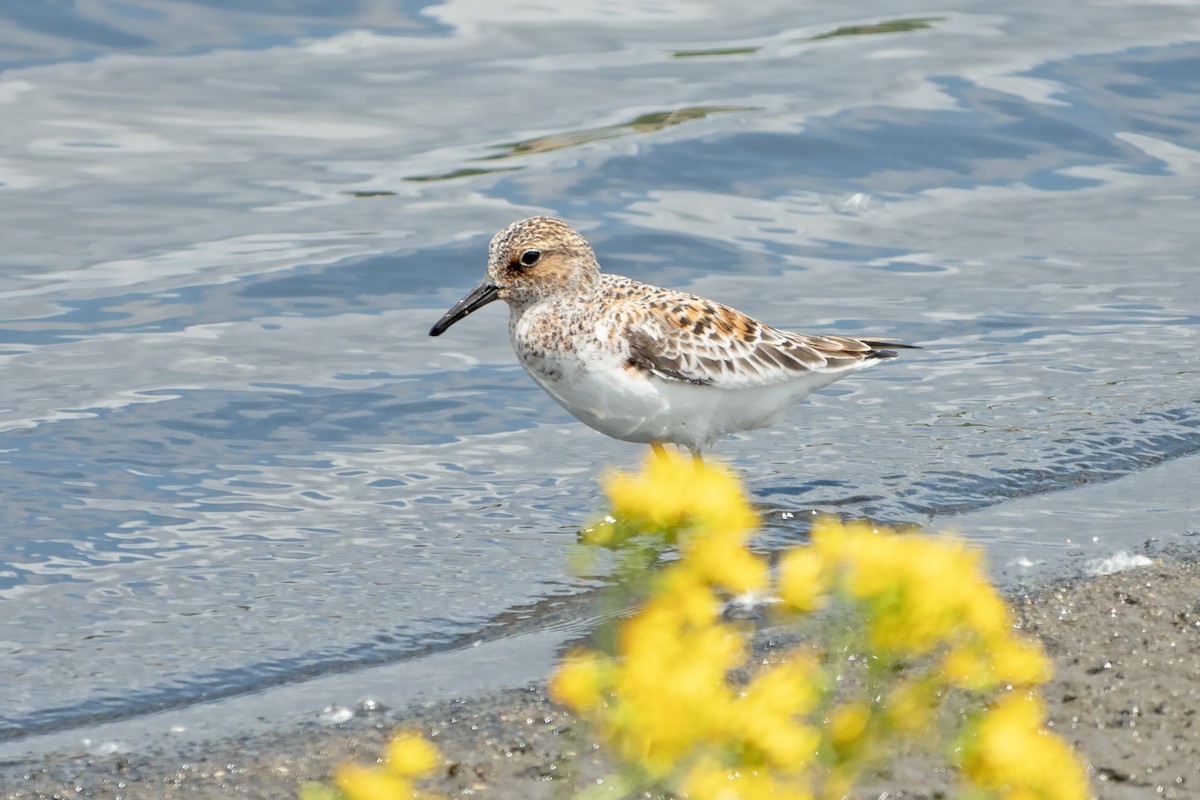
x=641 y=363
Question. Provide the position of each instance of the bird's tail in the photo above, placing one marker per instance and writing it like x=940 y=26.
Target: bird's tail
x=887 y=349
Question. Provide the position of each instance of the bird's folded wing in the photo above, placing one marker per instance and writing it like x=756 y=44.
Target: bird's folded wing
x=714 y=345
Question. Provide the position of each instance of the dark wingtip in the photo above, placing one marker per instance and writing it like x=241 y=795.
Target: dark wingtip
x=884 y=350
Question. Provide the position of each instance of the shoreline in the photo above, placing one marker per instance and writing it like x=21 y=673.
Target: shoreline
x=1126 y=650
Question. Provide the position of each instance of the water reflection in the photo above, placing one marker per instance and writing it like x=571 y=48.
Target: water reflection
x=232 y=456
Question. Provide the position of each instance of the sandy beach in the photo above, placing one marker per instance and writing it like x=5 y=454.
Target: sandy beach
x=1126 y=649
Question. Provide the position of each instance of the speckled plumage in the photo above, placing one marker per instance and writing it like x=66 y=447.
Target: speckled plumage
x=642 y=363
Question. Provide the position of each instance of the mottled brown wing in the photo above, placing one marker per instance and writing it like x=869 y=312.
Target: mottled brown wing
x=707 y=344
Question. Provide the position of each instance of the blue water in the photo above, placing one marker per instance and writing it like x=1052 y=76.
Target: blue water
x=233 y=459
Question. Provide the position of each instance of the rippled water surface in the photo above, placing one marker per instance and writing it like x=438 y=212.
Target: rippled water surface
x=233 y=459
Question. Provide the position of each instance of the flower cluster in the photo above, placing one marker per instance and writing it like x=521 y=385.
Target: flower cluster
x=664 y=696
x=409 y=756
x=1008 y=751
x=916 y=594
x=674 y=698
x=916 y=609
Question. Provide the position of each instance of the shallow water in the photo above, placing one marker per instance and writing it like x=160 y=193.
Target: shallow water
x=235 y=460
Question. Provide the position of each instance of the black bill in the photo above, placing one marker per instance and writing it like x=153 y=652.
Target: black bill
x=479 y=297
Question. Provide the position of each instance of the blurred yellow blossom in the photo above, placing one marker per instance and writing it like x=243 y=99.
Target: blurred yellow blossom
x=984 y=663
x=370 y=783
x=669 y=687
x=724 y=561
x=1010 y=752
x=803 y=579
x=411 y=755
x=579 y=681
x=768 y=720
x=677 y=702
x=911 y=704
x=674 y=492
x=904 y=620
x=708 y=779
x=1019 y=662
x=665 y=698
x=966 y=665
x=848 y=724
x=916 y=588
x=919 y=593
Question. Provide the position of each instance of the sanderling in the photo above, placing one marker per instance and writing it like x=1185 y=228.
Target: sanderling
x=645 y=364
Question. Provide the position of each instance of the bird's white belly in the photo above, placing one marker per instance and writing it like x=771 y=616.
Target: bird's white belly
x=627 y=404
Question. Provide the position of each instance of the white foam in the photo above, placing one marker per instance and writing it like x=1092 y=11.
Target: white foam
x=1118 y=562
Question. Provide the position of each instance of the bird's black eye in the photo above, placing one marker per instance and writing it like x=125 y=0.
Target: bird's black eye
x=530 y=257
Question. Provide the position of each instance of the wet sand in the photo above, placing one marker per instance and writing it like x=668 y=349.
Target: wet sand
x=1126 y=649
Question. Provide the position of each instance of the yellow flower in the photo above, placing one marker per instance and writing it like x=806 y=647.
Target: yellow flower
x=840 y=543
x=673 y=492
x=685 y=593
x=803 y=579
x=1020 y=662
x=847 y=724
x=667 y=704
x=982 y=664
x=769 y=717
x=579 y=681
x=723 y=560
x=410 y=755
x=669 y=684
x=911 y=704
x=914 y=588
x=1010 y=752
x=369 y=783
x=985 y=612
x=918 y=593
x=710 y=780
x=965 y=665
